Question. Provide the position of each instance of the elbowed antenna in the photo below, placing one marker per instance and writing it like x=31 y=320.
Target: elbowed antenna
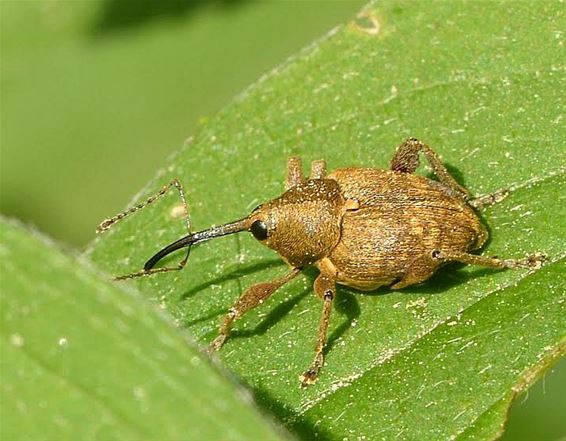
x=195 y=238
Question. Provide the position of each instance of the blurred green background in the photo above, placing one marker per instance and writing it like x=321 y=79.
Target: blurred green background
x=95 y=94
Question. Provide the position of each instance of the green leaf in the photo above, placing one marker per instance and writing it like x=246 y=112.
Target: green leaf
x=483 y=84
x=83 y=359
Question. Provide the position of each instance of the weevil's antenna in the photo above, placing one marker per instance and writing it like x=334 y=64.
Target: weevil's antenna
x=195 y=238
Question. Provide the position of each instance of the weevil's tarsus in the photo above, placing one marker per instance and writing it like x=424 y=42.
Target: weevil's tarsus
x=489 y=199
x=254 y=296
x=143 y=272
x=106 y=224
x=534 y=261
x=406 y=160
x=325 y=288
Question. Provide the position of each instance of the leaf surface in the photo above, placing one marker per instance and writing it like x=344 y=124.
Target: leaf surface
x=483 y=84
x=84 y=359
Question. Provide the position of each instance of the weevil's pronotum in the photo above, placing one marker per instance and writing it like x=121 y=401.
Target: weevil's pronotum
x=361 y=227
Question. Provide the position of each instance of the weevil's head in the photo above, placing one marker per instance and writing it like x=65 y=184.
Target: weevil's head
x=302 y=225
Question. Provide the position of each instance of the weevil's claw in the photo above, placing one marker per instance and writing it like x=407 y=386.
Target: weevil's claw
x=309 y=377
x=216 y=344
x=311 y=374
x=104 y=226
x=534 y=261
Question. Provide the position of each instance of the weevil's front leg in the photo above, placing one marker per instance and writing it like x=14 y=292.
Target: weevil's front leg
x=406 y=160
x=294 y=172
x=325 y=288
x=255 y=295
x=318 y=169
x=106 y=224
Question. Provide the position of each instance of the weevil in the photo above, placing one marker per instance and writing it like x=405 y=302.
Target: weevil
x=361 y=227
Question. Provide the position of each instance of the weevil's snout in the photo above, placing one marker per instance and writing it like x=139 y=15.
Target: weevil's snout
x=198 y=237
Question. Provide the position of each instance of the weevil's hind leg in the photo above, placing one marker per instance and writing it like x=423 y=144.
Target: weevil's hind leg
x=255 y=295
x=489 y=199
x=534 y=261
x=318 y=169
x=106 y=224
x=294 y=172
x=406 y=160
x=424 y=266
x=325 y=288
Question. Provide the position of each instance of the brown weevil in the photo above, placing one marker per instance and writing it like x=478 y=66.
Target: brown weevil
x=361 y=227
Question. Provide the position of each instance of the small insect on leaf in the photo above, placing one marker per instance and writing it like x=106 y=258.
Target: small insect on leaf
x=361 y=227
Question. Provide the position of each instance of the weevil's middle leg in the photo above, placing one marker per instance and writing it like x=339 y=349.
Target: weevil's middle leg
x=254 y=296
x=325 y=288
x=406 y=160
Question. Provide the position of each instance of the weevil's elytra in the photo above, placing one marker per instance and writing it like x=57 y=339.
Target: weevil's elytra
x=361 y=227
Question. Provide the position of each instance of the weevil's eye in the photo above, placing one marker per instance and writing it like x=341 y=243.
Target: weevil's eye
x=259 y=230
